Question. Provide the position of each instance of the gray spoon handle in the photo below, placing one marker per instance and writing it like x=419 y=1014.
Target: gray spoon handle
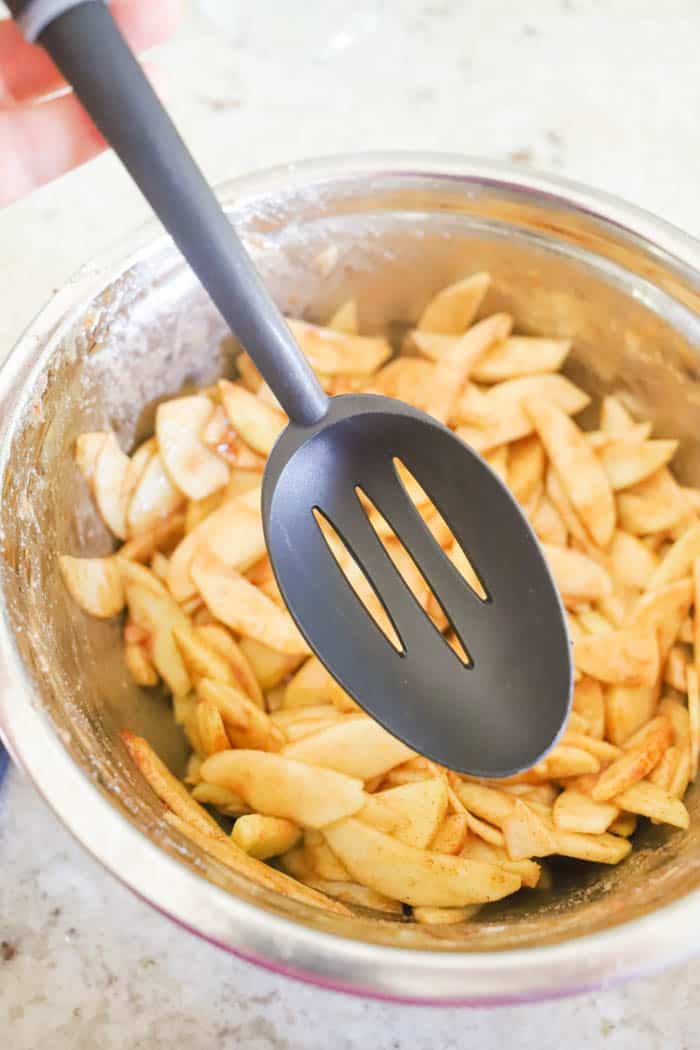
x=91 y=53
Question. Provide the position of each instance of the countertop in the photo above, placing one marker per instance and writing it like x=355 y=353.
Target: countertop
x=605 y=91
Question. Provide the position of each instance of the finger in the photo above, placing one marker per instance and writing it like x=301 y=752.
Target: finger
x=26 y=71
x=38 y=143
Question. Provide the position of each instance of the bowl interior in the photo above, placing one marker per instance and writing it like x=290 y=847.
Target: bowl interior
x=150 y=332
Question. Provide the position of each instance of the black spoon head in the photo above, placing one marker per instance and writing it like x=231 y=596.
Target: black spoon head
x=504 y=711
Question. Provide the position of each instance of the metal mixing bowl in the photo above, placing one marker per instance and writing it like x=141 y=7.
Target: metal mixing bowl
x=134 y=328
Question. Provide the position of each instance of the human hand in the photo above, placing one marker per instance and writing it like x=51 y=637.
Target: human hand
x=40 y=140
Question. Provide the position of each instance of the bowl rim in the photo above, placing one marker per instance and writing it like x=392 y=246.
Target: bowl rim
x=273 y=941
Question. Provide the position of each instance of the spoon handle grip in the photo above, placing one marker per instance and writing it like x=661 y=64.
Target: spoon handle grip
x=93 y=56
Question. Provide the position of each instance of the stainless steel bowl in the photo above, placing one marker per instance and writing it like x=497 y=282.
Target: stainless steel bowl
x=135 y=327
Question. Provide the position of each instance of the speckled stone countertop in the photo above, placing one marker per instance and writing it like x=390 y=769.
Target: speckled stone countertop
x=606 y=91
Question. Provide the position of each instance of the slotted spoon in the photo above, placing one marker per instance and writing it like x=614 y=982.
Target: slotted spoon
x=494 y=717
